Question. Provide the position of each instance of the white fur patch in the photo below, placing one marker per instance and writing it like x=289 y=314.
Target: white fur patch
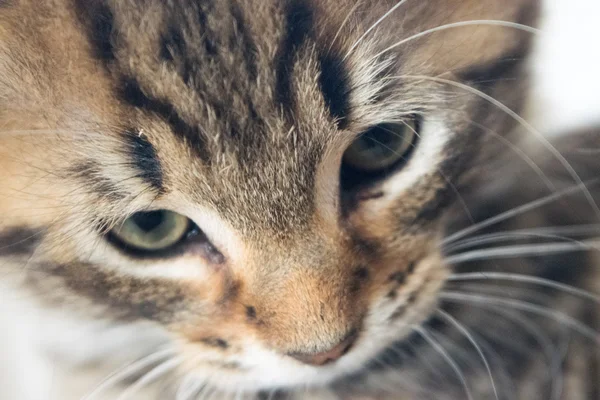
x=426 y=158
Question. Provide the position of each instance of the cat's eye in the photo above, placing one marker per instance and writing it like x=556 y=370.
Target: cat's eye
x=152 y=231
x=382 y=146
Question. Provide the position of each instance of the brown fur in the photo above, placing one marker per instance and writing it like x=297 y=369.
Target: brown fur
x=227 y=94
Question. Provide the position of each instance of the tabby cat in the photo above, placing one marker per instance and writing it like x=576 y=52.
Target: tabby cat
x=295 y=199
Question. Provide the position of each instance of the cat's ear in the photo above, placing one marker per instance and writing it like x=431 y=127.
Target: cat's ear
x=466 y=34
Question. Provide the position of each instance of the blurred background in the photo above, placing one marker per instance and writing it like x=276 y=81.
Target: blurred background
x=566 y=91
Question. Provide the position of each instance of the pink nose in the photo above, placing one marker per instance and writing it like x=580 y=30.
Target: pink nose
x=328 y=356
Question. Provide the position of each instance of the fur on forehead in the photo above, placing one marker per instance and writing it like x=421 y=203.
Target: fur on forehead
x=248 y=143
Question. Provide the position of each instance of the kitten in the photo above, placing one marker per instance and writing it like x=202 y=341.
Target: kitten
x=274 y=198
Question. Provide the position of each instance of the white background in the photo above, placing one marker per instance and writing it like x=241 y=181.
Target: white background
x=567 y=66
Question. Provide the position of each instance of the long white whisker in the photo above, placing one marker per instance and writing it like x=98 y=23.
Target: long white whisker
x=482 y=300
x=500 y=238
x=438 y=348
x=475 y=276
x=128 y=370
x=555 y=375
x=207 y=394
x=523 y=250
x=471 y=339
x=553 y=150
x=379 y=21
x=188 y=388
x=532 y=205
x=558 y=232
x=554 y=357
x=414 y=386
x=522 y=154
x=150 y=377
x=492 y=22
x=545 y=342
x=487 y=346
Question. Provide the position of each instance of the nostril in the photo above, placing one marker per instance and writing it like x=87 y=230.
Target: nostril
x=328 y=356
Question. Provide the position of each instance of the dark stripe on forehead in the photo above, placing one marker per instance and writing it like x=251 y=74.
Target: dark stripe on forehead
x=333 y=78
x=298 y=26
x=98 y=20
x=144 y=158
x=208 y=32
x=19 y=241
x=335 y=85
x=248 y=46
x=133 y=94
x=173 y=49
x=91 y=177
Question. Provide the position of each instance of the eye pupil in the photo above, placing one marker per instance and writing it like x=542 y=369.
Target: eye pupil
x=149 y=221
x=381 y=140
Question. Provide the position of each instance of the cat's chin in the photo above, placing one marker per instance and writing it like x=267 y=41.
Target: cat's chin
x=280 y=375
x=270 y=371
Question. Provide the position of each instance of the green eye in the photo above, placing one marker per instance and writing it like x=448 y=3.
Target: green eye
x=152 y=231
x=381 y=147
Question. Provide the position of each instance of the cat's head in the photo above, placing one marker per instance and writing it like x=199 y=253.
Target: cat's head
x=267 y=180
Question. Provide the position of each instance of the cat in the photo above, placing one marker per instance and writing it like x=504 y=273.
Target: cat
x=288 y=199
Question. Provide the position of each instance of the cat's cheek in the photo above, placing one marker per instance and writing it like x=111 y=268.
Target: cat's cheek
x=406 y=302
x=428 y=155
x=247 y=365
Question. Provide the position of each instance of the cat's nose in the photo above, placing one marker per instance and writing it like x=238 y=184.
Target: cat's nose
x=329 y=356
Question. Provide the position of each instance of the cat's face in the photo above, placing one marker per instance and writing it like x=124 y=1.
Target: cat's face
x=266 y=180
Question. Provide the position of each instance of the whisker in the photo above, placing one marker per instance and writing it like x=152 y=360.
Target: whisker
x=553 y=150
x=555 y=374
x=501 y=367
x=490 y=22
x=546 y=343
x=414 y=386
x=518 y=151
x=128 y=370
x=552 y=353
x=206 y=394
x=523 y=250
x=189 y=387
x=505 y=237
x=483 y=300
x=472 y=340
x=438 y=348
x=515 y=149
x=474 y=276
x=558 y=232
x=151 y=376
x=532 y=205
x=379 y=21
x=426 y=364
